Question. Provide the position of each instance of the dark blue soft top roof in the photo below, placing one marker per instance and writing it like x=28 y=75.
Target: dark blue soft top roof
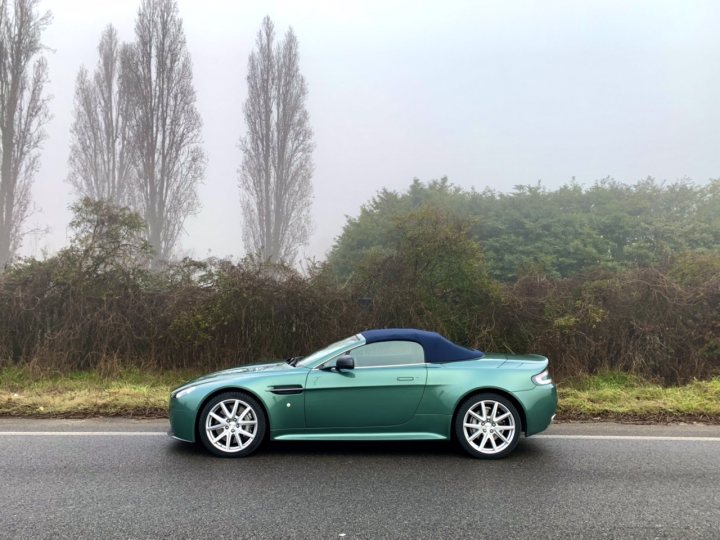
x=437 y=348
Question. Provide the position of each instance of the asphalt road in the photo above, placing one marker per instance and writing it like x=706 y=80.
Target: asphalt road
x=123 y=479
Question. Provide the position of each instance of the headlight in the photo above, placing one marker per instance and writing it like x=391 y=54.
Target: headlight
x=542 y=378
x=184 y=392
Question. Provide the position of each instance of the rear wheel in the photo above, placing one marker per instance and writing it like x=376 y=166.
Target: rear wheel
x=232 y=424
x=488 y=426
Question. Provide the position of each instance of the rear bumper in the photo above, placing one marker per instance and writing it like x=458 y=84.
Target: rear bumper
x=172 y=435
x=540 y=405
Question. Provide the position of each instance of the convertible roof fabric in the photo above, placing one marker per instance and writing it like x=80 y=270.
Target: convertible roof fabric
x=437 y=349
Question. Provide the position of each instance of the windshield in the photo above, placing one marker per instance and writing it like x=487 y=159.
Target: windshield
x=329 y=350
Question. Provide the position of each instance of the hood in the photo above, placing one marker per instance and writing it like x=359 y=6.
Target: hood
x=236 y=372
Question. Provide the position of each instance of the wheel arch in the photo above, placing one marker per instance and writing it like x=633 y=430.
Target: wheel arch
x=491 y=390
x=223 y=390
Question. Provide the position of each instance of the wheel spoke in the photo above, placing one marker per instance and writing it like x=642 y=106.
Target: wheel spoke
x=247 y=422
x=234 y=409
x=217 y=417
x=502 y=417
x=225 y=409
x=502 y=436
x=504 y=427
x=492 y=441
x=494 y=411
x=474 y=435
x=484 y=412
x=222 y=434
x=245 y=412
x=484 y=440
x=237 y=438
x=471 y=425
x=476 y=415
x=245 y=433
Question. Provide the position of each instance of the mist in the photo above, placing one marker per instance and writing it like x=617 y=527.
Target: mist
x=489 y=94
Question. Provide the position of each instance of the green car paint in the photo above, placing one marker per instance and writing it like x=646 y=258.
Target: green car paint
x=415 y=401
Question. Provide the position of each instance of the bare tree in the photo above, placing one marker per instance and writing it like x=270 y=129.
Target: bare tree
x=277 y=163
x=100 y=152
x=165 y=125
x=23 y=114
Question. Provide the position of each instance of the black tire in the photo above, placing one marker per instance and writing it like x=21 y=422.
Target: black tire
x=239 y=425
x=493 y=430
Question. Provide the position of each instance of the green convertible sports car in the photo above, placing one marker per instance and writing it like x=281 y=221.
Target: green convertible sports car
x=379 y=385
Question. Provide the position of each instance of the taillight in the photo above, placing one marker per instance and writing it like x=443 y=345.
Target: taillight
x=542 y=378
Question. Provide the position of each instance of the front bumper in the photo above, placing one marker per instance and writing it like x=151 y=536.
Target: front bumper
x=182 y=420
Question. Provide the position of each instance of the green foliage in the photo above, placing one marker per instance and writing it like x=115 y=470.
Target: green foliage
x=431 y=270
x=108 y=243
x=373 y=230
x=561 y=233
x=108 y=231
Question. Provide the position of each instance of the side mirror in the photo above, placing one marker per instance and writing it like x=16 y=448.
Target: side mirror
x=345 y=362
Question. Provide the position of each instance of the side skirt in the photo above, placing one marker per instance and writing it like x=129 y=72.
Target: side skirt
x=409 y=436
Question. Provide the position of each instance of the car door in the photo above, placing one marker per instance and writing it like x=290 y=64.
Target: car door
x=384 y=388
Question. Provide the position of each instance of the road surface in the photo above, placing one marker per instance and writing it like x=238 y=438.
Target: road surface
x=126 y=479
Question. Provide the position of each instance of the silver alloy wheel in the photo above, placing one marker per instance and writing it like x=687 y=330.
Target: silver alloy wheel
x=489 y=426
x=231 y=425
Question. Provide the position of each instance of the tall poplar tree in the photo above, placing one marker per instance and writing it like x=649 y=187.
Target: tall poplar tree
x=276 y=171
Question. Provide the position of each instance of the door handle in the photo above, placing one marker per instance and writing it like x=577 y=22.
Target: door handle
x=406 y=378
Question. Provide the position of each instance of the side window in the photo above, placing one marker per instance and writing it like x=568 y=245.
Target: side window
x=388 y=353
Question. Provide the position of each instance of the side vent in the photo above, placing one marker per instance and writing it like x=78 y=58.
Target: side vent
x=286 y=389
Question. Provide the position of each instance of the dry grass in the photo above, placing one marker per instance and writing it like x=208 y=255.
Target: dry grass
x=619 y=396
x=126 y=393
x=610 y=396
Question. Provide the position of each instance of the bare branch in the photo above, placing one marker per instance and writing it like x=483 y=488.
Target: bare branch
x=100 y=151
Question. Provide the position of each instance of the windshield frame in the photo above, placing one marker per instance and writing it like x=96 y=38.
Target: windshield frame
x=322 y=355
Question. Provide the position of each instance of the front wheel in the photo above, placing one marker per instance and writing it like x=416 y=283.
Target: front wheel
x=488 y=426
x=232 y=424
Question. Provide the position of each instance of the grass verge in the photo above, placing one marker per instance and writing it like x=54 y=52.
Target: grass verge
x=624 y=397
x=134 y=393
x=131 y=393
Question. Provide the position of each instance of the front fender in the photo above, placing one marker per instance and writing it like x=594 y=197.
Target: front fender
x=283 y=411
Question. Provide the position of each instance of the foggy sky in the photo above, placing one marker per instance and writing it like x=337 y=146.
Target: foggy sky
x=491 y=94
